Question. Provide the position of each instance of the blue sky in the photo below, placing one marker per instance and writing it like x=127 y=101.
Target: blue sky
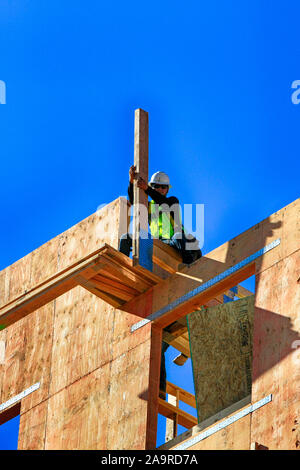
x=214 y=76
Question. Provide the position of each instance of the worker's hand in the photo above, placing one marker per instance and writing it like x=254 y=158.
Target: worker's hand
x=132 y=173
x=141 y=183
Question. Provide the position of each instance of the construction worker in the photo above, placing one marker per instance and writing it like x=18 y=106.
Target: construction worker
x=165 y=224
x=164 y=217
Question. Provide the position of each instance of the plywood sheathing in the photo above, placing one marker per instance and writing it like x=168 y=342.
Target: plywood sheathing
x=222 y=258
x=233 y=437
x=276 y=329
x=276 y=355
x=106 y=273
x=80 y=349
x=36 y=414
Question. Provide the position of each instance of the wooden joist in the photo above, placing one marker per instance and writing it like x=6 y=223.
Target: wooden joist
x=106 y=273
x=173 y=412
x=182 y=394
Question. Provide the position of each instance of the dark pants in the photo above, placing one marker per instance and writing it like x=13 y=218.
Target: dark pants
x=163 y=372
x=179 y=241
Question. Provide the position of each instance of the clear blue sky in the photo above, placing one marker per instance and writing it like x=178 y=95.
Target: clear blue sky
x=214 y=76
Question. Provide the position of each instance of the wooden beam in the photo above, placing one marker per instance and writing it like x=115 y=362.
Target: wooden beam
x=207 y=423
x=122 y=283
x=90 y=286
x=249 y=253
x=140 y=209
x=184 y=396
x=47 y=291
x=166 y=257
x=184 y=419
x=182 y=345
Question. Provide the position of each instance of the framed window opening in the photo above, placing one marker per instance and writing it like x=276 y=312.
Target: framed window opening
x=178 y=409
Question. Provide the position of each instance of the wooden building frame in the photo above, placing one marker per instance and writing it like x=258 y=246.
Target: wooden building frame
x=78 y=283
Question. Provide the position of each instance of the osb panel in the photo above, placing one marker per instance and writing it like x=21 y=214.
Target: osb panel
x=221 y=352
x=32 y=428
x=276 y=357
x=236 y=436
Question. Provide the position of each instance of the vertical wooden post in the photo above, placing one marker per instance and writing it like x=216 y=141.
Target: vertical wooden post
x=141 y=246
x=171 y=423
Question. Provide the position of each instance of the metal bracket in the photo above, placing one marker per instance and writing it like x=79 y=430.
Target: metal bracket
x=19 y=397
x=217 y=427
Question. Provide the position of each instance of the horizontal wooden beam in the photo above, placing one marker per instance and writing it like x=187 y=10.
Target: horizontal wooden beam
x=50 y=289
x=166 y=257
x=106 y=273
x=170 y=411
x=184 y=396
x=189 y=296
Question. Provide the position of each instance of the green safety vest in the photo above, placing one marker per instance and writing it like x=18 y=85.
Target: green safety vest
x=161 y=223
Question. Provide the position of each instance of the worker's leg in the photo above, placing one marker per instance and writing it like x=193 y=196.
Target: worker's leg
x=188 y=246
x=125 y=244
x=163 y=372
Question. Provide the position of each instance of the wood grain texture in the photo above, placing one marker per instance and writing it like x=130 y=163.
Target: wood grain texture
x=221 y=259
x=140 y=214
x=276 y=357
x=221 y=352
x=234 y=437
x=79 y=348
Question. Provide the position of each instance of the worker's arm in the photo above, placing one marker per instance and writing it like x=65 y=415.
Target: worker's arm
x=159 y=198
x=132 y=177
x=130 y=192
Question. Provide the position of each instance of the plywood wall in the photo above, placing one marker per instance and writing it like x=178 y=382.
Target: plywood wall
x=93 y=372
x=221 y=352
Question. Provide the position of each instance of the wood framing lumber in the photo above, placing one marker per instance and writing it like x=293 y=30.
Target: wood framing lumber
x=181 y=344
x=184 y=396
x=90 y=286
x=140 y=209
x=10 y=413
x=206 y=424
x=257 y=446
x=87 y=273
x=172 y=296
x=48 y=290
x=170 y=411
x=193 y=295
x=171 y=424
x=166 y=257
x=180 y=360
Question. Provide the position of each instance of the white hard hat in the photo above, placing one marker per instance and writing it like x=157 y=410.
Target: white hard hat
x=159 y=178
